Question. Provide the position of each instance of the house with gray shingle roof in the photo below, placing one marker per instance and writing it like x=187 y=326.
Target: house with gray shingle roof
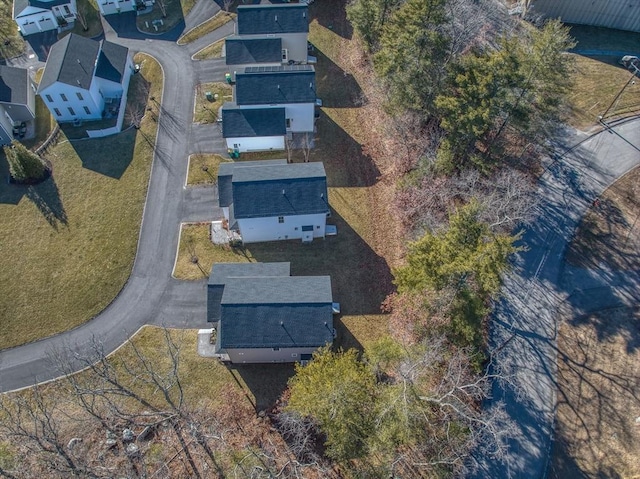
x=264 y=315
x=288 y=23
x=274 y=200
x=254 y=51
x=292 y=87
x=255 y=129
x=109 y=7
x=17 y=102
x=35 y=16
x=85 y=79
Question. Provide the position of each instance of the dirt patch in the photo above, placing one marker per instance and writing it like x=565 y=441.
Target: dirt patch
x=598 y=403
x=609 y=234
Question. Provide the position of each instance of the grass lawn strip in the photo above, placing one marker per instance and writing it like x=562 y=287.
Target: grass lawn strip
x=211 y=51
x=12 y=44
x=205 y=111
x=203 y=169
x=207 y=26
x=597 y=81
x=70 y=242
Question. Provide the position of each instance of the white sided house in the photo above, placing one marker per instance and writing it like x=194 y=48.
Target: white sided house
x=292 y=87
x=17 y=102
x=259 y=129
x=273 y=200
x=35 y=16
x=109 y=7
x=263 y=315
x=85 y=79
x=289 y=23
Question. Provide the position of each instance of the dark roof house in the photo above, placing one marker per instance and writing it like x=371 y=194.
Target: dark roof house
x=240 y=51
x=276 y=85
x=260 y=306
x=267 y=19
x=20 y=5
x=273 y=189
x=242 y=123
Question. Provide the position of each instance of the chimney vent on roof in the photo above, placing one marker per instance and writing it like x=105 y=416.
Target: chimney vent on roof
x=283 y=193
x=276 y=18
x=282 y=323
x=311 y=85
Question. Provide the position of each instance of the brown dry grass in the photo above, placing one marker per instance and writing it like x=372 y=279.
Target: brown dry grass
x=206 y=111
x=609 y=234
x=203 y=168
x=211 y=51
x=598 y=378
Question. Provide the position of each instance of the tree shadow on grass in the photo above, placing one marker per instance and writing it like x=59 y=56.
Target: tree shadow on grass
x=47 y=199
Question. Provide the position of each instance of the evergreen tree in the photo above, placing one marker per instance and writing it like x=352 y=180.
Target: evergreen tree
x=368 y=18
x=413 y=53
x=24 y=165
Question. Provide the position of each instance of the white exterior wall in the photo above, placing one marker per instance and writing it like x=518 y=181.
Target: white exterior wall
x=300 y=114
x=73 y=101
x=108 y=7
x=267 y=355
x=6 y=128
x=254 y=230
x=36 y=20
x=256 y=143
x=69 y=16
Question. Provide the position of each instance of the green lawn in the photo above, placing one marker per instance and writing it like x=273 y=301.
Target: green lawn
x=206 y=111
x=69 y=243
x=44 y=124
x=207 y=26
x=597 y=81
x=599 y=38
x=209 y=52
x=203 y=169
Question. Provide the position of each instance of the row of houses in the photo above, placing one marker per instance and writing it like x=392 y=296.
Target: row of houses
x=261 y=313
x=36 y=16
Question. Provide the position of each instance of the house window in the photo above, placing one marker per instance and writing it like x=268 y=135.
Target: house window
x=67 y=12
x=317 y=227
x=280 y=219
x=49 y=99
x=285 y=54
x=276 y=349
x=79 y=95
x=288 y=122
x=57 y=112
x=63 y=96
x=86 y=110
x=294 y=355
x=71 y=112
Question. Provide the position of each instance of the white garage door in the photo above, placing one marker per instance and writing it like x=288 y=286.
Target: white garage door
x=29 y=28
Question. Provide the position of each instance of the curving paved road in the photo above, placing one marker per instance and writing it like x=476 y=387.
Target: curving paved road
x=523 y=333
x=150 y=296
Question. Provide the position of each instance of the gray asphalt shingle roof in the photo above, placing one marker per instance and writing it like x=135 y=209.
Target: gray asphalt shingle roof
x=221 y=272
x=14 y=85
x=283 y=84
x=278 y=290
x=240 y=51
x=267 y=19
x=279 y=190
x=225 y=173
x=243 y=123
x=72 y=61
x=112 y=62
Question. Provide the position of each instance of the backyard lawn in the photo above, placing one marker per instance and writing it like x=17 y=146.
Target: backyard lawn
x=69 y=243
x=89 y=14
x=203 y=169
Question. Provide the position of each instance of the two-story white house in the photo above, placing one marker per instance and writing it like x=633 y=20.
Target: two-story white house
x=35 y=16
x=110 y=7
x=286 y=25
x=292 y=87
x=263 y=315
x=17 y=103
x=273 y=200
x=85 y=79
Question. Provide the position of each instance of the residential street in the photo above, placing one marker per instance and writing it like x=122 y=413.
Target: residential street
x=523 y=333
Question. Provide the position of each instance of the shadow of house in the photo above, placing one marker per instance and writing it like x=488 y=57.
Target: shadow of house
x=265 y=382
x=108 y=156
x=332 y=14
x=360 y=278
x=41 y=43
x=124 y=25
x=336 y=87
